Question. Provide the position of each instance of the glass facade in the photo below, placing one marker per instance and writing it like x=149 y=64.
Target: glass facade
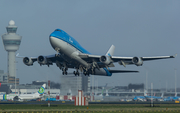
x=12 y=42
x=12 y=80
x=11 y=30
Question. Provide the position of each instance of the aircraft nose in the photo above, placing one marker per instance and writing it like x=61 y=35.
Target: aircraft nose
x=51 y=39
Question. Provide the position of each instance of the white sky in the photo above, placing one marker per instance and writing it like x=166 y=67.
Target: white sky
x=136 y=28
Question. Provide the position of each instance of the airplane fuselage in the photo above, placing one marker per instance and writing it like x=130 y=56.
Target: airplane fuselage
x=21 y=97
x=29 y=96
x=70 y=54
x=7 y=96
x=70 y=49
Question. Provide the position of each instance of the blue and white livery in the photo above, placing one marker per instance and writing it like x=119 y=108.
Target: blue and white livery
x=70 y=54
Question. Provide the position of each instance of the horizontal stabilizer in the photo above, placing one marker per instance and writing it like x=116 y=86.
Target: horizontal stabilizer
x=122 y=71
x=18 y=56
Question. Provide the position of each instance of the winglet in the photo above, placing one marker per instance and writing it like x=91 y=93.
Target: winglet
x=175 y=55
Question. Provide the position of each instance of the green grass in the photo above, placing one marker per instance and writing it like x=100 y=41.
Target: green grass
x=93 y=108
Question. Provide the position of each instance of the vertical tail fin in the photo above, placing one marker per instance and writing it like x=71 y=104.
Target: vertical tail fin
x=110 y=51
x=103 y=89
x=162 y=95
x=107 y=93
x=145 y=93
x=42 y=89
x=102 y=92
x=106 y=85
x=175 y=94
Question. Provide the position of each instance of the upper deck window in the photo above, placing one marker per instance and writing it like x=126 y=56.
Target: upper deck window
x=58 y=30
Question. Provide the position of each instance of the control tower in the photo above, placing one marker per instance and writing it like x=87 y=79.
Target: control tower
x=11 y=43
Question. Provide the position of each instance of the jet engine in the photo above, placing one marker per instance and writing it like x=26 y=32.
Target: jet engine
x=28 y=61
x=105 y=59
x=137 y=61
x=42 y=60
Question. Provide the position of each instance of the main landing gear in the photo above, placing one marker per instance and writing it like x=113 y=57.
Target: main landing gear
x=64 y=71
x=86 y=73
x=76 y=72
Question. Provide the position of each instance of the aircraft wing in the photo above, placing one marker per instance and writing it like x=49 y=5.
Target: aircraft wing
x=97 y=60
x=109 y=60
x=42 y=60
x=130 y=59
x=46 y=60
x=157 y=58
x=116 y=59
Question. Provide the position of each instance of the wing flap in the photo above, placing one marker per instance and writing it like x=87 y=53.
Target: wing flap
x=89 y=56
x=125 y=59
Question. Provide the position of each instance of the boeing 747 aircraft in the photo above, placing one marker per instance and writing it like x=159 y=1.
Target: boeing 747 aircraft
x=70 y=54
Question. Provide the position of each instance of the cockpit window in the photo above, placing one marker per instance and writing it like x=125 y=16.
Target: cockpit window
x=58 y=30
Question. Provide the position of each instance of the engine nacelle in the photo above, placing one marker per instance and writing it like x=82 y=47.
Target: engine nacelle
x=137 y=61
x=28 y=61
x=42 y=60
x=105 y=59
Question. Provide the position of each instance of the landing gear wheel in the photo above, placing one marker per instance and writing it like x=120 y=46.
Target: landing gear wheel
x=86 y=73
x=76 y=72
